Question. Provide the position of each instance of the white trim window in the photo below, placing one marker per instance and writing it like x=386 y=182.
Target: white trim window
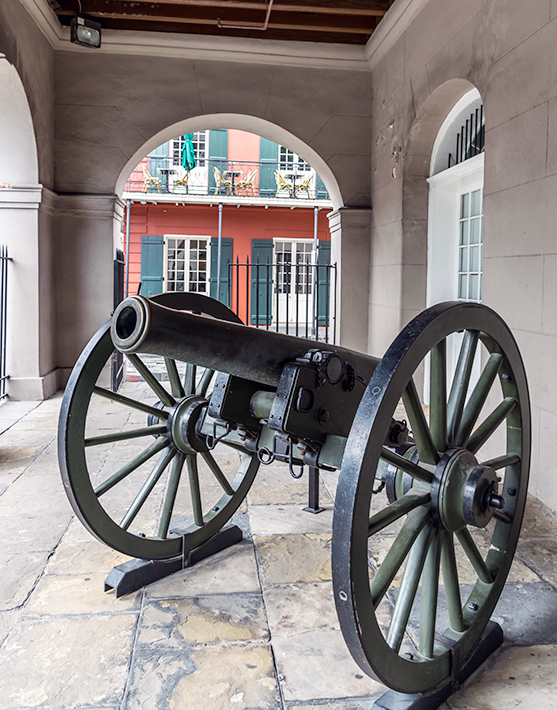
x=199 y=141
x=290 y=161
x=186 y=263
x=470 y=246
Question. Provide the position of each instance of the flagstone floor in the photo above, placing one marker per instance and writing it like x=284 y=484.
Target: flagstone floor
x=252 y=628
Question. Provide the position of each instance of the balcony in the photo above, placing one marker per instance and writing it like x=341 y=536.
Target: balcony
x=158 y=178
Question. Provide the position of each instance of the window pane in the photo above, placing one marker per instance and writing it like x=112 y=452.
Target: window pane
x=463 y=286
x=463 y=233
x=475 y=203
x=464 y=205
x=180 y=244
x=463 y=261
x=475 y=231
x=474 y=259
x=474 y=287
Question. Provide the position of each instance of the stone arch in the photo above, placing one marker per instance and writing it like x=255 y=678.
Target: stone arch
x=18 y=147
x=253 y=124
x=417 y=164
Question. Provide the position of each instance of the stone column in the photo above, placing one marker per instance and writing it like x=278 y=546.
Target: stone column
x=350 y=250
x=24 y=208
x=88 y=231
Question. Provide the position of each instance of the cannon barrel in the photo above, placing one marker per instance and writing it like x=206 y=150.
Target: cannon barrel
x=141 y=326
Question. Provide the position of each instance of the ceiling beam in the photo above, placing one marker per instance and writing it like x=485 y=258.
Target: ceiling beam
x=147 y=18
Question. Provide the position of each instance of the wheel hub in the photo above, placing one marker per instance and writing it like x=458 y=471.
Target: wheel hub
x=464 y=492
x=183 y=425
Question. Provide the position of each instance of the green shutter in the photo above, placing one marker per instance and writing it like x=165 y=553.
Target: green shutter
x=261 y=281
x=321 y=192
x=218 y=154
x=324 y=285
x=268 y=157
x=152 y=252
x=226 y=259
x=158 y=159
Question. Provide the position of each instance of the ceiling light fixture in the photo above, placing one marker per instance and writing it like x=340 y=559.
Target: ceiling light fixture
x=85 y=32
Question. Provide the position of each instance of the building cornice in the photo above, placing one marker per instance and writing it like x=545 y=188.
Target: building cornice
x=204 y=47
x=397 y=20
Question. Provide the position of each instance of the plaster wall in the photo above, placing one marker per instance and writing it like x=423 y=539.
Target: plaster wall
x=420 y=68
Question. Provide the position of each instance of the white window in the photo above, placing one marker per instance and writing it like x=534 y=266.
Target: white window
x=470 y=247
x=199 y=141
x=290 y=162
x=187 y=263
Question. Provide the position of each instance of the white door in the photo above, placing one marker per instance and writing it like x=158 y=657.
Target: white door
x=294 y=276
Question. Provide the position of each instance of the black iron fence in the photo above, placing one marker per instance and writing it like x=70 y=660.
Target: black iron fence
x=470 y=141
x=4 y=259
x=297 y=299
x=220 y=177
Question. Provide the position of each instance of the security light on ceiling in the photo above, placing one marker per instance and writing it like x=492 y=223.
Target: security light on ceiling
x=85 y=32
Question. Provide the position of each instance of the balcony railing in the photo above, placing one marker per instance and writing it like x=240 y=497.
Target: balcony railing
x=221 y=177
x=470 y=141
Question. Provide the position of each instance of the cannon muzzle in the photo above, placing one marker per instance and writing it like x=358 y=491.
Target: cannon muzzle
x=140 y=325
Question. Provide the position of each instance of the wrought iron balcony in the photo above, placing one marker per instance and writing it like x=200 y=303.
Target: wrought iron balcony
x=222 y=177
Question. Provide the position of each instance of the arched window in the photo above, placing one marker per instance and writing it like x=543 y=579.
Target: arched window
x=455 y=212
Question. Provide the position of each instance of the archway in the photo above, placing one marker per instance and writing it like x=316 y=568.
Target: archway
x=276 y=134
x=30 y=305
x=252 y=124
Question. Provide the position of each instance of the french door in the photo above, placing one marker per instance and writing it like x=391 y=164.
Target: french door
x=293 y=301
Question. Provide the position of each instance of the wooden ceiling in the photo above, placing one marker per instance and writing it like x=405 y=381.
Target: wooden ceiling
x=340 y=21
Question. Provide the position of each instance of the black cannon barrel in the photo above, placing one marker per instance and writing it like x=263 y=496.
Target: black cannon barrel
x=142 y=326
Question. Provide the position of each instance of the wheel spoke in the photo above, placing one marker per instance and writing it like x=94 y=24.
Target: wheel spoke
x=396 y=510
x=151 y=380
x=474 y=555
x=174 y=378
x=438 y=395
x=127 y=402
x=461 y=379
x=138 y=461
x=502 y=461
x=452 y=586
x=409 y=587
x=204 y=382
x=488 y=427
x=217 y=473
x=414 y=524
x=410 y=467
x=478 y=397
x=420 y=430
x=147 y=487
x=125 y=435
x=170 y=498
x=503 y=517
x=189 y=378
x=191 y=463
x=430 y=593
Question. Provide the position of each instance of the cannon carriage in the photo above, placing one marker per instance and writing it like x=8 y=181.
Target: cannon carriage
x=441 y=489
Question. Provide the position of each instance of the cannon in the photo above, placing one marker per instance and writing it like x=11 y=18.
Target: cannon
x=440 y=489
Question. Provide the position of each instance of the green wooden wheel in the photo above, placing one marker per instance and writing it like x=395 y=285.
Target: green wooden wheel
x=431 y=560
x=136 y=472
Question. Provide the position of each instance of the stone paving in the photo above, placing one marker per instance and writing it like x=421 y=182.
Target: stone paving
x=251 y=628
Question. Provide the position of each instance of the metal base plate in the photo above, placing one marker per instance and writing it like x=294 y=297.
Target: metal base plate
x=490 y=641
x=134 y=574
